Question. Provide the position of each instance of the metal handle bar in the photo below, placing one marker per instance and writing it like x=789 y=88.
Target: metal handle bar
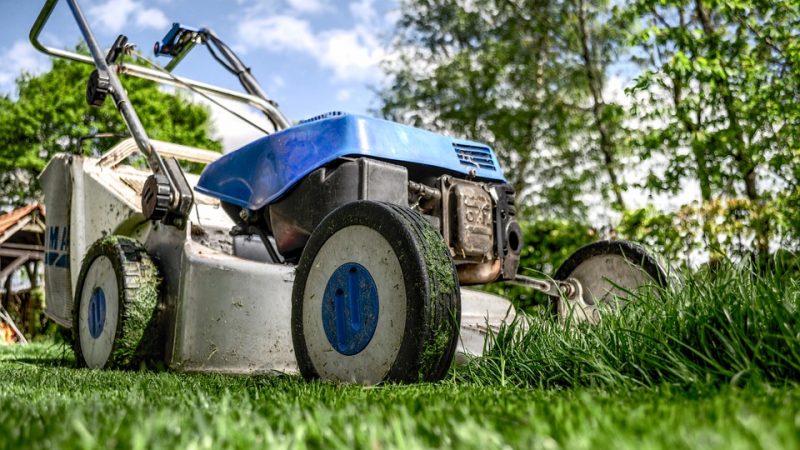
x=153 y=75
x=98 y=60
x=178 y=198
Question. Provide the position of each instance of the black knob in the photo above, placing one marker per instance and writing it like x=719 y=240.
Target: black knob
x=155 y=197
x=97 y=88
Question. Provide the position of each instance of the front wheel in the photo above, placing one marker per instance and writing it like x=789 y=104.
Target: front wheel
x=116 y=306
x=376 y=298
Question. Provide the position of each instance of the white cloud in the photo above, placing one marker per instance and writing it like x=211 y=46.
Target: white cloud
x=233 y=131
x=363 y=11
x=113 y=15
x=277 y=82
x=152 y=18
x=308 y=6
x=344 y=95
x=20 y=57
x=352 y=54
x=278 y=33
x=392 y=17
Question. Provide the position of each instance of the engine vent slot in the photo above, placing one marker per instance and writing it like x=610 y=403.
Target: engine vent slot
x=477 y=156
x=327 y=115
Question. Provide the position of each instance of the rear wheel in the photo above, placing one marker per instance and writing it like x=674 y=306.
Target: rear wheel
x=608 y=272
x=115 y=308
x=376 y=298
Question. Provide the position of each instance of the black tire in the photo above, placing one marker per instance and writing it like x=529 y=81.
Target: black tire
x=632 y=253
x=629 y=250
x=427 y=342
x=135 y=337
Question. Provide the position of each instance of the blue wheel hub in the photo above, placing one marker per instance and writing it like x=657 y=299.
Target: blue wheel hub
x=97 y=312
x=350 y=308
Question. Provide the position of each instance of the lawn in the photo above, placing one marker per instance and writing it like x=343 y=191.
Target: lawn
x=713 y=365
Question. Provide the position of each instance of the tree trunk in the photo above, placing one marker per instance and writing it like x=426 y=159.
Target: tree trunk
x=595 y=84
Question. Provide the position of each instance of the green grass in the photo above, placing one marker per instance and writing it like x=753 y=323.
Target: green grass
x=733 y=327
x=712 y=364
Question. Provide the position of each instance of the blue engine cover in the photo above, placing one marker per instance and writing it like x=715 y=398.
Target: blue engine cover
x=261 y=172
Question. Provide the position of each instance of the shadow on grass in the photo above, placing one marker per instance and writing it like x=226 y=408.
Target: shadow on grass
x=45 y=362
x=39 y=354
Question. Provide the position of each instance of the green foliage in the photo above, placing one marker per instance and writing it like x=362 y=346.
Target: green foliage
x=718 y=97
x=525 y=76
x=50 y=115
x=549 y=242
x=733 y=222
x=714 y=105
x=674 y=236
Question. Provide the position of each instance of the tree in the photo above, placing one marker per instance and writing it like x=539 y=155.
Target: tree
x=598 y=48
x=526 y=76
x=716 y=106
x=50 y=115
x=719 y=96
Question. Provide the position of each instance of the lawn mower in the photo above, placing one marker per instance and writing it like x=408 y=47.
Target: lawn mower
x=339 y=246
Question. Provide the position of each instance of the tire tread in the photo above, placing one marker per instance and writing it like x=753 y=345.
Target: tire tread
x=136 y=271
x=446 y=306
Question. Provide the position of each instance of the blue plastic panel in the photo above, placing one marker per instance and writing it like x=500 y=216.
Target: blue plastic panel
x=260 y=172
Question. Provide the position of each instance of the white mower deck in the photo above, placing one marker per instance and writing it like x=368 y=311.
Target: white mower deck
x=225 y=313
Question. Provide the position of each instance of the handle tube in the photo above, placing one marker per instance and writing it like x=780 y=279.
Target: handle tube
x=180 y=197
x=146 y=73
x=117 y=91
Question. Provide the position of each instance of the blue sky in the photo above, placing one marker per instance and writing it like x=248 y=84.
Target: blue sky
x=312 y=56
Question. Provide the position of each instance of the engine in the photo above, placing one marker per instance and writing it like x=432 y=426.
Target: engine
x=476 y=218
